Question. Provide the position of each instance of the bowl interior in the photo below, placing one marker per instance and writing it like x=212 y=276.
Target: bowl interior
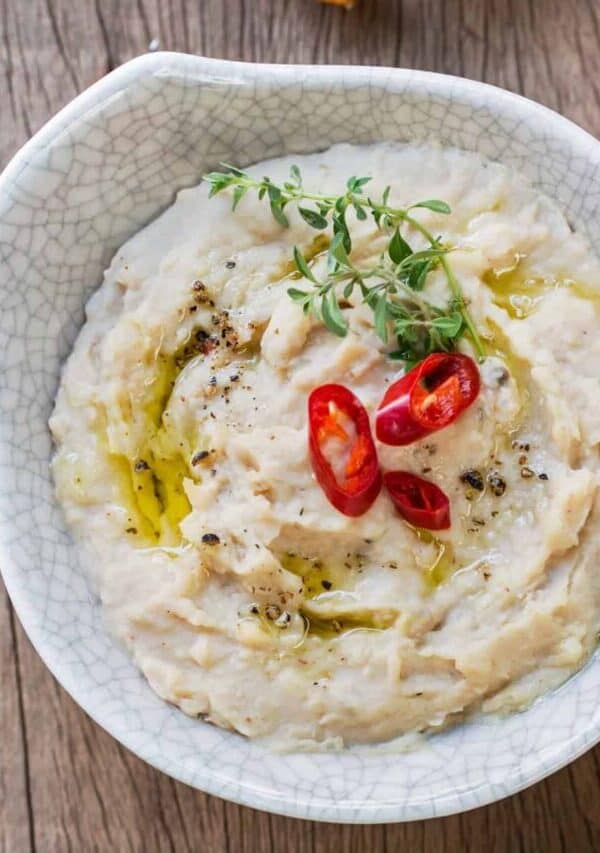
x=98 y=172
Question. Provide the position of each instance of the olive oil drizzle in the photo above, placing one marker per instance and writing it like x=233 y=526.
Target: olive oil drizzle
x=320 y=577
x=519 y=293
x=444 y=563
x=152 y=482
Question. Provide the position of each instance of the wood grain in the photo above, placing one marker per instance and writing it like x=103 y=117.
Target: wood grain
x=64 y=784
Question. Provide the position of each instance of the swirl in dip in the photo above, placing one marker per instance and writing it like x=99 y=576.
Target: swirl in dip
x=182 y=464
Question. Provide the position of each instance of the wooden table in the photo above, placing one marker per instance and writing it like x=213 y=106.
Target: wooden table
x=65 y=784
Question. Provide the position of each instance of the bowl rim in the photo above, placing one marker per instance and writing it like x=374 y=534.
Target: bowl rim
x=343 y=75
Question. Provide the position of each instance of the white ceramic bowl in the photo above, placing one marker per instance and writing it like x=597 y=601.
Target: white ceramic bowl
x=95 y=174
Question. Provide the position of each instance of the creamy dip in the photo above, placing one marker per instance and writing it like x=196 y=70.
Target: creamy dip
x=182 y=464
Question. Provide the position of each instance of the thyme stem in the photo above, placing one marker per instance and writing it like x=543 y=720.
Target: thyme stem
x=420 y=326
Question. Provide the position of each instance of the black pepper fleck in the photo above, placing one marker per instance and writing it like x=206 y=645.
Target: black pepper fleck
x=272 y=611
x=473 y=478
x=284 y=620
x=211 y=539
x=141 y=465
x=497 y=484
x=501 y=375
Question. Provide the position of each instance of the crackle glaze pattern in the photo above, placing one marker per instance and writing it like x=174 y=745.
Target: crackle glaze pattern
x=93 y=176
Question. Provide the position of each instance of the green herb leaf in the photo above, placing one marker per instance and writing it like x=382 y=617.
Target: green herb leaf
x=355 y=185
x=435 y=205
x=450 y=325
x=418 y=275
x=398 y=249
x=337 y=251
x=332 y=315
x=296 y=176
x=348 y=289
x=278 y=214
x=297 y=295
x=314 y=219
x=302 y=266
x=238 y=194
x=238 y=173
x=340 y=227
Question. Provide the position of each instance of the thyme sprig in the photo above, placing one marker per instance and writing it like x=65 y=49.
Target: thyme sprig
x=392 y=288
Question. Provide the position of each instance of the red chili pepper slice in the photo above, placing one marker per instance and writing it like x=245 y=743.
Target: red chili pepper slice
x=333 y=413
x=418 y=501
x=429 y=397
